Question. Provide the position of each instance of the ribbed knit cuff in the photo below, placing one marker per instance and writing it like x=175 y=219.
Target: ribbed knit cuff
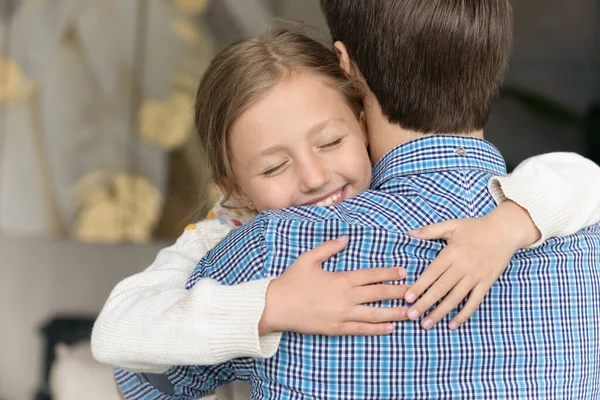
x=533 y=194
x=236 y=312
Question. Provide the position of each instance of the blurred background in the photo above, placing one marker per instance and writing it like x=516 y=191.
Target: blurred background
x=99 y=168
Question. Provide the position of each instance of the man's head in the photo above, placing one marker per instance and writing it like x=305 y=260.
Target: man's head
x=433 y=65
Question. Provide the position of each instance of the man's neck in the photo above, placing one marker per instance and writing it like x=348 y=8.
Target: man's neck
x=385 y=136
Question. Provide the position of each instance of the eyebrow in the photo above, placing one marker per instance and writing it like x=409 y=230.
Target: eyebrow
x=322 y=125
x=312 y=131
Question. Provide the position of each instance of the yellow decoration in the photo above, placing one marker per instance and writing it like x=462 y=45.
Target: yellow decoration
x=167 y=123
x=116 y=209
x=192 y=6
x=185 y=82
x=190 y=227
x=13 y=85
x=187 y=31
x=211 y=215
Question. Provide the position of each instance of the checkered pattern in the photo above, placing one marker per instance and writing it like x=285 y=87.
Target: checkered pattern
x=534 y=336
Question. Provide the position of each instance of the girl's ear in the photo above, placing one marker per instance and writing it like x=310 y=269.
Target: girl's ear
x=238 y=197
x=223 y=185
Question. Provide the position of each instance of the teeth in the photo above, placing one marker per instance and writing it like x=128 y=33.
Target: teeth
x=329 y=201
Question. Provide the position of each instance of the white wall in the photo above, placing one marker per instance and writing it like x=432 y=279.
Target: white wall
x=42 y=278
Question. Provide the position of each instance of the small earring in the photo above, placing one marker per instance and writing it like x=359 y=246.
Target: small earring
x=251 y=205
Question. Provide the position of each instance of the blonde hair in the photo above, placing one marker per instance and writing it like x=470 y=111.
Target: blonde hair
x=244 y=72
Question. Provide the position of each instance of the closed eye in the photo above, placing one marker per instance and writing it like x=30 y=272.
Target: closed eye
x=272 y=170
x=332 y=144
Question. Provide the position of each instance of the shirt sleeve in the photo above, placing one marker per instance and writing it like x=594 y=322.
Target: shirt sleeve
x=151 y=321
x=561 y=192
x=238 y=258
x=150 y=386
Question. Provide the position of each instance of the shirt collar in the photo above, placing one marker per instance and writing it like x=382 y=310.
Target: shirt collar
x=438 y=153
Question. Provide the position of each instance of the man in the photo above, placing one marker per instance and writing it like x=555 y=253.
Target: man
x=432 y=68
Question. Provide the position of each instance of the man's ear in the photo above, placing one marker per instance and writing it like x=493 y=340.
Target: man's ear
x=344 y=57
x=362 y=120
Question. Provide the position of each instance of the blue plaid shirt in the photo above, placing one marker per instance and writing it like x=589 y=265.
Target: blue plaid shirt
x=534 y=336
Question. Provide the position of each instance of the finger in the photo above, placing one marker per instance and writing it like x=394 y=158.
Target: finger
x=369 y=276
x=366 y=329
x=456 y=295
x=441 y=230
x=371 y=293
x=434 y=294
x=325 y=250
x=431 y=274
x=377 y=314
x=475 y=299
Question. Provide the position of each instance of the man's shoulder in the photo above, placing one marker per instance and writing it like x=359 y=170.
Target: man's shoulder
x=578 y=245
x=372 y=208
x=238 y=258
x=243 y=236
x=588 y=236
x=368 y=200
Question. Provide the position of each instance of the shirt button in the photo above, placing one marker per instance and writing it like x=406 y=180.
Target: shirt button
x=461 y=151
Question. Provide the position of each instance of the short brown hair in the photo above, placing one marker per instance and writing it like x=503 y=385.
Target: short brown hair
x=434 y=65
x=244 y=72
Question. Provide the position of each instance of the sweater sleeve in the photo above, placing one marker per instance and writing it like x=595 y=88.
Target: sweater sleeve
x=150 y=321
x=561 y=192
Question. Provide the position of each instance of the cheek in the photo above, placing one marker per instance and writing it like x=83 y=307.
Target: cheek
x=366 y=172
x=361 y=169
x=271 y=194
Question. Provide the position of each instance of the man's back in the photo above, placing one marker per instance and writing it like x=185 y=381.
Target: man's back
x=534 y=335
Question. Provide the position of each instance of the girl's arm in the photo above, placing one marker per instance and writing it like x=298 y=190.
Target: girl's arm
x=151 y=322
x=550 y=195
x=151 y=314
x=560 y=191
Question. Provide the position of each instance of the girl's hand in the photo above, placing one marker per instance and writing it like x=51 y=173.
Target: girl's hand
x=478 y=251
x=306 y=299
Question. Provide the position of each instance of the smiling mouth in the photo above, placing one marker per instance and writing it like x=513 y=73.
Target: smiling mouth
x=334 y=198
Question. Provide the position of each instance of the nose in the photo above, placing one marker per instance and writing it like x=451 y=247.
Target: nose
x=313 y=174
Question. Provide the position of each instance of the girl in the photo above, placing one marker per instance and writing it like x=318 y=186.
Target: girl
x=151 y=322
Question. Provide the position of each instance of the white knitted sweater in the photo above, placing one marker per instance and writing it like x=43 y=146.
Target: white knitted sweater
x=151 y=322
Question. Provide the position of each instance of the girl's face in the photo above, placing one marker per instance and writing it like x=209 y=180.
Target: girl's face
x=299 y=145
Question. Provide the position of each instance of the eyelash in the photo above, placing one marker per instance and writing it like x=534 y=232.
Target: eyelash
x=331 y=144
x=272 y=170
x=326 y=146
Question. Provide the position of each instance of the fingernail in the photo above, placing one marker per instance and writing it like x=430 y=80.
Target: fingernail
x=412 y=232
x=427 y=323
x=403 y=273
x=413 y=314
x=453 y=325
x=410 y=297
x=342 y=239
x=389 y=328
